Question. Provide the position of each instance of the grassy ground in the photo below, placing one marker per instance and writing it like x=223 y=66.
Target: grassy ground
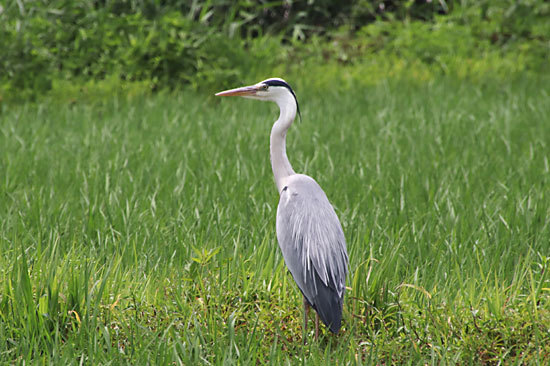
x=143 y=230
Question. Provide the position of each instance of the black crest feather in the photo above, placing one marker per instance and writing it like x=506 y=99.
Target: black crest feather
x=279 y=82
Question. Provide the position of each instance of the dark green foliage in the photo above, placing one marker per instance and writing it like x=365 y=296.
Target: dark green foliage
x=171 y=43
x=79 y=41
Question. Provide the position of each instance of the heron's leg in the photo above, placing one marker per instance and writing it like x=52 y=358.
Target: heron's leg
x=306 y=312
x=316 y=326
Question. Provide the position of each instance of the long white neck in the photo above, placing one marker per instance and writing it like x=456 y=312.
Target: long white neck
x=279 y=161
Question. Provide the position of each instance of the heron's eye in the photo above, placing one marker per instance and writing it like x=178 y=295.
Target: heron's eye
x=264 y=87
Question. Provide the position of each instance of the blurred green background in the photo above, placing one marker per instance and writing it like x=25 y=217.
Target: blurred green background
x=92 y=47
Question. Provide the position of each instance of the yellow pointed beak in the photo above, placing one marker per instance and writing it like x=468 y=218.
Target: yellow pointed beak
x=243 y=91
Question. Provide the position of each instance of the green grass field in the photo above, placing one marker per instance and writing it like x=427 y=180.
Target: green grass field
x=142 y=230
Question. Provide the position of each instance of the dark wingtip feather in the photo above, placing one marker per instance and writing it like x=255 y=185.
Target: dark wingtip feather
x=330 y=313
x=328 y=305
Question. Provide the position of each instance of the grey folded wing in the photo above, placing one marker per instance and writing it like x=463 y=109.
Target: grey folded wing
x=314 y=247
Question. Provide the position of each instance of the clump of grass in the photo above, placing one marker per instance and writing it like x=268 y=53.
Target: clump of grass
x=142 y=230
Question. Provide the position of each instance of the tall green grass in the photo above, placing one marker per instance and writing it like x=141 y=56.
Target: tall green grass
x=142 y=229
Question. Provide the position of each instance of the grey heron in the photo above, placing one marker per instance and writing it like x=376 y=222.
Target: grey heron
x=308 y=230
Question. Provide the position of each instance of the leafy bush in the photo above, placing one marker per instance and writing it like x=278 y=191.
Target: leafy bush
x=177 y=42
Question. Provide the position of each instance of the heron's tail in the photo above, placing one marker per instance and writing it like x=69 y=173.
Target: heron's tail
x=328 y=305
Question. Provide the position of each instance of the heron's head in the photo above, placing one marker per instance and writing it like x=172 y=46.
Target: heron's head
x=273 y=90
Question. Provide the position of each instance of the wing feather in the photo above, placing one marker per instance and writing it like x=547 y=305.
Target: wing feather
x=313 y=246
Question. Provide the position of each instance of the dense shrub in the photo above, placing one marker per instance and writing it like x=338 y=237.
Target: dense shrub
x=82 y=42
x=175 y=42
